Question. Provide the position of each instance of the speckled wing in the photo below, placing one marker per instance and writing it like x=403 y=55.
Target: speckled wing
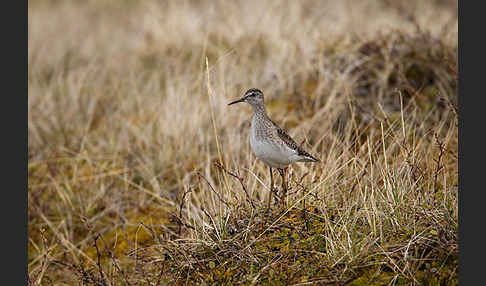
x=292 y=145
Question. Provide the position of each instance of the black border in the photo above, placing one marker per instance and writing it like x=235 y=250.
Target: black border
x=470 y=46
x=14 y=142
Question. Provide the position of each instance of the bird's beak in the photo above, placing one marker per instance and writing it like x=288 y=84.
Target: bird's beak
x=236 y=101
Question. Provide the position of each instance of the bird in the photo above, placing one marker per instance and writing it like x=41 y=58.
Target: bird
x=270 y=143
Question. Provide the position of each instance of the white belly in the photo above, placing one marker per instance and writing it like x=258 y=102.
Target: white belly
x=274 y=155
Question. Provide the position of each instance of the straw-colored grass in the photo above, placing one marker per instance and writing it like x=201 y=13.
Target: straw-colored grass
x=139 y=172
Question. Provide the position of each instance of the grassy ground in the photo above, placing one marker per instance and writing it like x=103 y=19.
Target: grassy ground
x=140 y=174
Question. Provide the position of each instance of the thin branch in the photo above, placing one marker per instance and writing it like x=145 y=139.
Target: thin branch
x=212 y=189
x=240 y=179
x=438 y=167
x=100 y=269
x=181 y=207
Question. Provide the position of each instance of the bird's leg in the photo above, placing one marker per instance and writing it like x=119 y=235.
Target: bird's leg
x=271 y=188
x=284 y=184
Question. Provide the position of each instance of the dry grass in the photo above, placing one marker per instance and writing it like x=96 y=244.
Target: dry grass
x=140 y=173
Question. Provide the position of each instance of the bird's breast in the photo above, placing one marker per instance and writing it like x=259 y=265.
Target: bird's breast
x=269 y=151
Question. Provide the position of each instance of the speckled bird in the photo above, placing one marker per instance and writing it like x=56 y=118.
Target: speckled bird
x=269 y=142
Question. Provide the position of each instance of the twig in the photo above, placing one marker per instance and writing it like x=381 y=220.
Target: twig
x=438 y=167
x=100 y=269
x=45 y=261
x=212 y=189
x=181 y=207
x=240 y=179
x=112 y=255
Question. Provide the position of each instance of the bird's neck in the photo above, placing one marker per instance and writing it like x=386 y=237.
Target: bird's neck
x=259 y=110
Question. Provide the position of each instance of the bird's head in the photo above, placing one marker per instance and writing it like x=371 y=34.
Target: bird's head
x=252 y=96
